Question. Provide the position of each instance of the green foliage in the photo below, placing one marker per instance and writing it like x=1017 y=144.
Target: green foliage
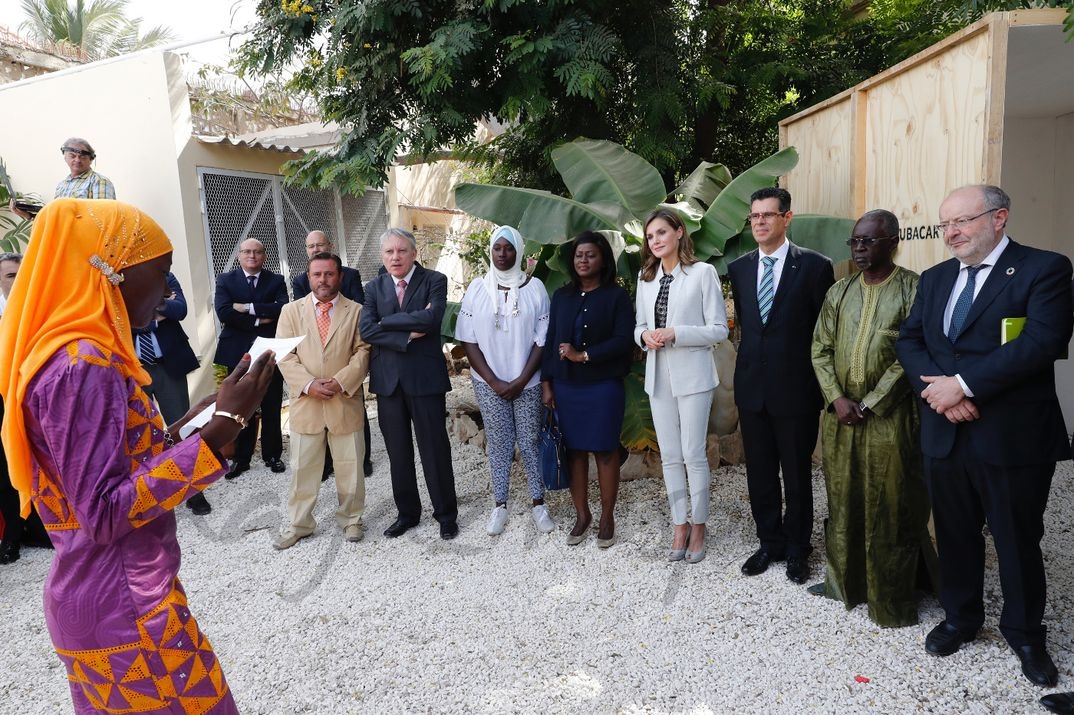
x=678 y=82
x=14 y=229
x=100 y=29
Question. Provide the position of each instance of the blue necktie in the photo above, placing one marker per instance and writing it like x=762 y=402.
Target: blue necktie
x=252 y=280
x=962 y=305
x=766 y=291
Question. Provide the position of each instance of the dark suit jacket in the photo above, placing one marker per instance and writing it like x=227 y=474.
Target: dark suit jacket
x=418 y=366
x=1013 y=385
x=178 y=357
x=774 y=371
x=350 y=285
x=607 y=334
x=239 y=331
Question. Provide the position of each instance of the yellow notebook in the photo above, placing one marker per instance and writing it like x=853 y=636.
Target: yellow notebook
x=1011 y=328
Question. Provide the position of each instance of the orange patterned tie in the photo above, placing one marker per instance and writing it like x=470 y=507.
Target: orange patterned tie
x=324 y=322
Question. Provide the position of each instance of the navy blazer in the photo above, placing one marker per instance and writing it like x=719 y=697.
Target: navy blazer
x=1013 y=385
x=774 y=369
x=239 y=331
x=418 y=366
x=350 y=285
x=178 y=356
x=607 y=334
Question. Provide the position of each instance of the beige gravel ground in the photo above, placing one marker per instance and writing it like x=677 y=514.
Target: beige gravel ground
x=524 y=623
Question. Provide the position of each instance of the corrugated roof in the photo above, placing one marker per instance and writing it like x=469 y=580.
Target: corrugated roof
x=297 y=138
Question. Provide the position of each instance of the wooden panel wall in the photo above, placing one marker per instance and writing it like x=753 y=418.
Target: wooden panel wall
x=823 y=180
x=925 y=134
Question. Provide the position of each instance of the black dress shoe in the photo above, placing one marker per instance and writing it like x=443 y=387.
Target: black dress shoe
x=1062 y=703
x=199 y=504
x=9 y=552
x=367 y=467
x=399 y=527
x=758 y=563
x=797 y=569
x=449 y=531
x=275 y=464
x=945 y=639
x=1037 y=665
x=236 y=469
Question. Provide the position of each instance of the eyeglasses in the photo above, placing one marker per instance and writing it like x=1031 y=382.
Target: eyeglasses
x=76 y=152
x=867 y=242
x=766 y=216
x=251 y=251
x=961 y=223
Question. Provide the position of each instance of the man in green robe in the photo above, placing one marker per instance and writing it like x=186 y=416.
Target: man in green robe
x=876 y=537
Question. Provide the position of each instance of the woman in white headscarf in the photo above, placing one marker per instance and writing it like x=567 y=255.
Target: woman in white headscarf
x=502 y=326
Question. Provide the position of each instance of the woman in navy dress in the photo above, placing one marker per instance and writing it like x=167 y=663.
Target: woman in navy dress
x=587 y=355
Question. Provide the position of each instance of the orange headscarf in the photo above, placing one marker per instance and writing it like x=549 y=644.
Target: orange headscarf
x=67 y=289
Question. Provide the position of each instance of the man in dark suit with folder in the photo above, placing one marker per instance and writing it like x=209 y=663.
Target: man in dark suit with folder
x=404 y=307
x=991 y=426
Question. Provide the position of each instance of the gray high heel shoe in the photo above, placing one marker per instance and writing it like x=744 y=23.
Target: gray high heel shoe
x=679 y=554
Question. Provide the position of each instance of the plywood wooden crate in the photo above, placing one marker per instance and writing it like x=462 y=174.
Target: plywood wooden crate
x=992 y=103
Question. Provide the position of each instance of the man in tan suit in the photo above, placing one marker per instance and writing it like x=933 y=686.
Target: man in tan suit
x=324 y=376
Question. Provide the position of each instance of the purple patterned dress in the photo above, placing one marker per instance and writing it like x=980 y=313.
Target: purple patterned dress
x=105 y=488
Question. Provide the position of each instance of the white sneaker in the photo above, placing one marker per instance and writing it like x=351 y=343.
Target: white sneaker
x=497 y=521
x=544 y=522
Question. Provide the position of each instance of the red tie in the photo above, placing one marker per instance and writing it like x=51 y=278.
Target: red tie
x=324 y=321
x=400 y=291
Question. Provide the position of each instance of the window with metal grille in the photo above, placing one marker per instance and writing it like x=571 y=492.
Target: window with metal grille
x=240 y=205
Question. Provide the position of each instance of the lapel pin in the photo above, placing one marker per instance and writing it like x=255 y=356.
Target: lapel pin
x=1010 y=271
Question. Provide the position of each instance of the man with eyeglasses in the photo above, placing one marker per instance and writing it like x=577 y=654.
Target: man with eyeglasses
x=778 y=291
x=248 y=303
x=991 y=425
x=83 y=182
x=876 y=536
x=350 y=287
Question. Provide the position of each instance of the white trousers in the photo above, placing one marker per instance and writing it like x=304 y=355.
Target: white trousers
x=307 y=466
x=681 y=431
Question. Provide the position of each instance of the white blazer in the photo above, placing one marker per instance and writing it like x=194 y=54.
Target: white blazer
x=696 y=311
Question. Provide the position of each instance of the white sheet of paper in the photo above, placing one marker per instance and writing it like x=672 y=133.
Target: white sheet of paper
x=280 y=346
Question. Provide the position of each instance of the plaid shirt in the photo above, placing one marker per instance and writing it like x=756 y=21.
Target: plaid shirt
x=89 y=185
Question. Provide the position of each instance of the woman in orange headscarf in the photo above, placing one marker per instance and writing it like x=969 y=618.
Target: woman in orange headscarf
x=88 y=447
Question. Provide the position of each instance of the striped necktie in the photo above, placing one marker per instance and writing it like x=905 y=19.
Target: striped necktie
x=766 y=291
x=146 y=354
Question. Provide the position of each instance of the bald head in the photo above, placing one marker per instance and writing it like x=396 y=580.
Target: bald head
x=252 y=255
x=318 y=242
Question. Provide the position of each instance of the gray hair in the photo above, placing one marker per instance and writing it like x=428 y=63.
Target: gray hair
x=400 y=233
x=79 y=140
x=995 y=197
x=8 y=256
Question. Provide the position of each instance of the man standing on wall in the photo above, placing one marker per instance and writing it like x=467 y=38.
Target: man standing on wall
x=778 y=291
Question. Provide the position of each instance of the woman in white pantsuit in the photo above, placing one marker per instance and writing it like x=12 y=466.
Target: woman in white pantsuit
x=680 y=317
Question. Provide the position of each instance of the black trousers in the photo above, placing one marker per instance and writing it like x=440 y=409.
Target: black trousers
x=774 y=443
x=967 y=493
x=427 y=413
x=270 y=420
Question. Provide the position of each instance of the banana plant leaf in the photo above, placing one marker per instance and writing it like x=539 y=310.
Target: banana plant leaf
x=727 y=214
x=598 y=171
x=638 y=431
x=539 y=216
x=703 y=185
x=824 y=234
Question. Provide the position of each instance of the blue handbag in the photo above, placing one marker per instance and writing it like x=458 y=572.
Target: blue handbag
x=553 y=453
